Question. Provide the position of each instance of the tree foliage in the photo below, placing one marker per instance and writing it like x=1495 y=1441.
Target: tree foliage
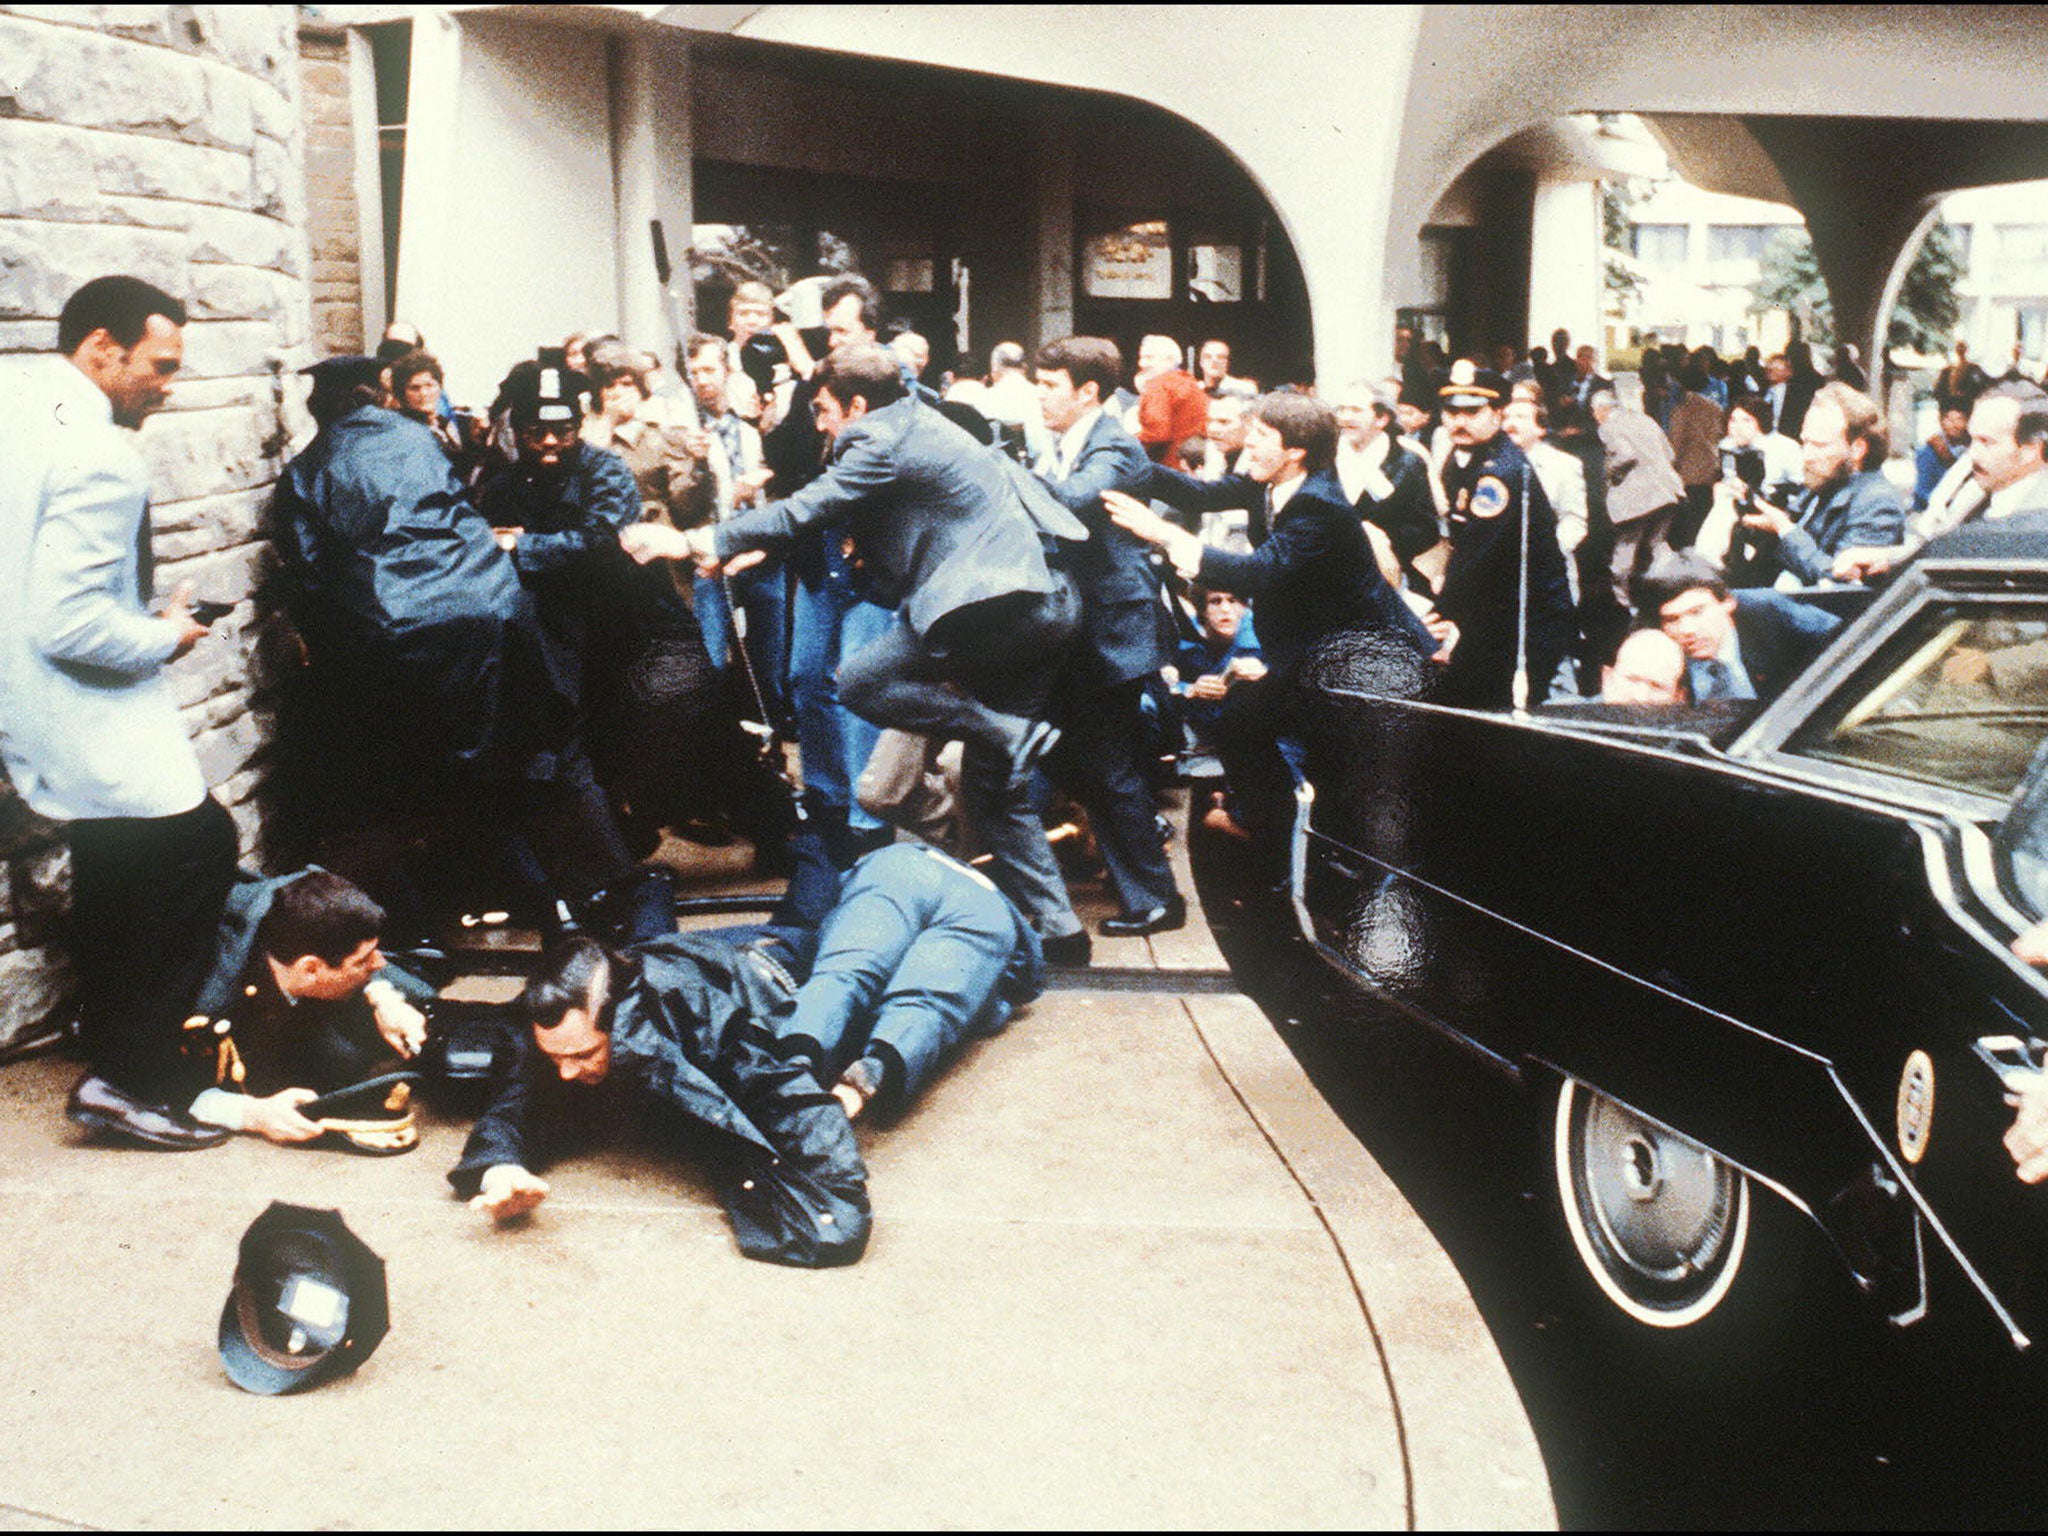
x=1624 y=288
x=1924 y=317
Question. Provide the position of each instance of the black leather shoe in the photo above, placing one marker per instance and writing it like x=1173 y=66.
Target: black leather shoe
x=1135 y=925
x=1070 y=950
x=99 y=1106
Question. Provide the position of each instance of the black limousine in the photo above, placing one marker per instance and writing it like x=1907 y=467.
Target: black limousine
x=1761 y=957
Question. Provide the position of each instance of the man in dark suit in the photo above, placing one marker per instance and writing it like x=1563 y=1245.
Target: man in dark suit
x=1311 y=577
x=1587 y=380
x=1738 y=645
x=952 y=538
x=1387 y=484
x=1101 y=714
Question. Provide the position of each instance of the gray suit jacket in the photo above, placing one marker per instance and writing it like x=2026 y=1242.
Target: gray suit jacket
x=1118 y=582
x=940 y=521
x=88 y=725
x=1862 y=512
x=1642 y=474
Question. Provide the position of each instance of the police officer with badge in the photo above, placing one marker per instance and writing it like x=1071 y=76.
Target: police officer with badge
x=1505 y=587
x=300 y=1026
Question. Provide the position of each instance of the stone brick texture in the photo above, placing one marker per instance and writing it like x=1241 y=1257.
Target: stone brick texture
x=333 y=229
x=164 y=141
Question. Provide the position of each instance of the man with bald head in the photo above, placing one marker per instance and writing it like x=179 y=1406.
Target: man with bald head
x=1649 y=668
x=1171 y=405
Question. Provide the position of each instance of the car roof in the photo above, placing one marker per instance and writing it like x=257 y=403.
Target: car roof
x=2023 y=537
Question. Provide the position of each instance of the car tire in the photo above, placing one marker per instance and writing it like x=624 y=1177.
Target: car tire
x=1659 y=1223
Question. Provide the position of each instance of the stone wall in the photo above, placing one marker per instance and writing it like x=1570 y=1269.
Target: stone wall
x=162 y=141
x=333 y=221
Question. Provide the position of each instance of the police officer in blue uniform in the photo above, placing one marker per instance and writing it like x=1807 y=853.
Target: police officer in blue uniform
x=1505 y=587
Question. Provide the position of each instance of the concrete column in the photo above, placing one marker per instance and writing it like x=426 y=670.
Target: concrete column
x=1052 y=198
x=1566 y=267
x=369 y=180
x=651 y=180
x=429 y=239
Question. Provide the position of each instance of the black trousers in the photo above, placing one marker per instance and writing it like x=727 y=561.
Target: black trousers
x=1100 y=763
x=1256 y=713
x=146 y=901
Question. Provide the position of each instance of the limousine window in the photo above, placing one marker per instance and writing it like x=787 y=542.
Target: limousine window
x=1959 y=700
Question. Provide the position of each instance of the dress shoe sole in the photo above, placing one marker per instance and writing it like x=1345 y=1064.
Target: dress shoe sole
x=107 y=1125
x=1139 y=928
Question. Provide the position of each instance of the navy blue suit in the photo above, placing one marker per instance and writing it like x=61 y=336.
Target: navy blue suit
x=1101 y=711
x=1311 y=577
x=1313 y=572
x=1779 y=635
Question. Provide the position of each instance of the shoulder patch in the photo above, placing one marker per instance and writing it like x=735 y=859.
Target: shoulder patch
x=1489 y=497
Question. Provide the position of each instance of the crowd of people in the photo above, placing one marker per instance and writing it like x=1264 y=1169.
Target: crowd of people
x=742 y=597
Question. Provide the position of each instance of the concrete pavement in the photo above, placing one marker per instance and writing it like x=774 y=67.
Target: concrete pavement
x=1128 y=1270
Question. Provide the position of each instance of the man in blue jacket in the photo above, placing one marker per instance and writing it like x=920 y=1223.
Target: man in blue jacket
x=1311 y=577
x=433 y=685
x=920 y=953
x=1102 y=711
x=1849 y=504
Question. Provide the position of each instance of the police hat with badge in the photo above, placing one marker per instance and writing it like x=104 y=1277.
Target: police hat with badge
x=309 y=1303
x=1468 y=386
x=545 y=392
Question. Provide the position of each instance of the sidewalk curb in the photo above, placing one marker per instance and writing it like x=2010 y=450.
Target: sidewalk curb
x=1472 y=1460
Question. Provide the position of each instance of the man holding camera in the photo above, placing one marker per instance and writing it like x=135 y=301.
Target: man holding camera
x=1848 y=502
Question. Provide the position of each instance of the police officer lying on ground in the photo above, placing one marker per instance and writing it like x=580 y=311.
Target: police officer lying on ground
x=920 y=953
x=671 y=1027
x=300 y=1003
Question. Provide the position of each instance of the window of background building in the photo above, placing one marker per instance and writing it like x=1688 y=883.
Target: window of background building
x=391 y=59
x=2023 y=245
x=1737 y=242
x=2031 y=325
x=1663 y=245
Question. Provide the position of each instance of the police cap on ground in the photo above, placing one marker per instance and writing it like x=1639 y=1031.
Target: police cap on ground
x=1469 y=385
x=309 y=1303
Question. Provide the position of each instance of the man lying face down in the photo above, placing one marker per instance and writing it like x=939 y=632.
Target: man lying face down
x=710 y=1035
x=665 y=1034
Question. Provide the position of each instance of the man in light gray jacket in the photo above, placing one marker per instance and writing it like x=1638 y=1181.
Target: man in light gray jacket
x=1643 y=488
x=89 y=730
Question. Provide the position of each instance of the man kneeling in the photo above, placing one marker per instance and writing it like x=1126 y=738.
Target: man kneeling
x=671 y=1024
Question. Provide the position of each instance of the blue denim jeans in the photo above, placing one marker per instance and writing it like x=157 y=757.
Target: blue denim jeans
x=763 y=598
x=828 y=620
